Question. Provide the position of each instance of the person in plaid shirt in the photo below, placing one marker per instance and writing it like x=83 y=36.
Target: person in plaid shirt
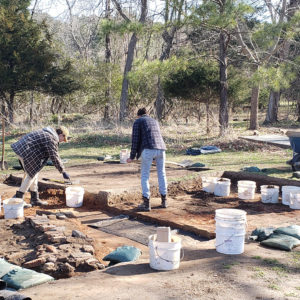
x=148 y=143
x=33 y=151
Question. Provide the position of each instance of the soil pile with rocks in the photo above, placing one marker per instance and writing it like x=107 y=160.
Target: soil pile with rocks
x=49 y=245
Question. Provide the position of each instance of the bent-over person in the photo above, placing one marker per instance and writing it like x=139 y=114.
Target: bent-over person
x=33 y=150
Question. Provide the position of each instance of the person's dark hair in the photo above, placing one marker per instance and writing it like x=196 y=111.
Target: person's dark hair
x=142 y=111
x=59 y=131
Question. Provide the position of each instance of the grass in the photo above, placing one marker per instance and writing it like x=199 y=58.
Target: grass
x=88 y=144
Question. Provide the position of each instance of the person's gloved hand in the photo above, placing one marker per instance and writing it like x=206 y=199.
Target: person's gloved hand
x=66 y=176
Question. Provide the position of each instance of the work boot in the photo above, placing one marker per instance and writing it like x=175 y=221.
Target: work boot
x=164 y=203
x=145 y=206
x=35 y=200
x=21 y=196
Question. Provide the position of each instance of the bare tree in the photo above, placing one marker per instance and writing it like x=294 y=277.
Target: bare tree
x=130 y=54
x=172 y=19
x=257 y=56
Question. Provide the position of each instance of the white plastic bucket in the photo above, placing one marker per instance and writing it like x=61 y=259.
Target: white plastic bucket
x=286 y=189
x=124 y=154
x=163 y=255
x=13 y=208
x=246 y=189
x=230 y=230
x=269 y=193
x=295 y=199
x=74 y=196
x=209 y=183
x=222 y=187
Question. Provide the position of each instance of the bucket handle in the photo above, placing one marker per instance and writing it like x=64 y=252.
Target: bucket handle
x=225 y=241
x=229 y=238
x=170 y=261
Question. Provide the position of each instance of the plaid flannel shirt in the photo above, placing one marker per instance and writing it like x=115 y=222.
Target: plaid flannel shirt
x=36 y=148
x=145 y=135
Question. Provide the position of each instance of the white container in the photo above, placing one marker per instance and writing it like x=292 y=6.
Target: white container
x=124 y=154
x=13 y=208
x=286 y=189
x=269 y=193
x=222 y=187
x=164 y=256
x=246 y=189
x=295 y=199
x=74 y=196
x=230 y=230
x=209 y=183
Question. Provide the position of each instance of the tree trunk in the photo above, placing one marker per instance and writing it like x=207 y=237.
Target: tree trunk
x=272 y=112
x=167 y=46
x=298 y=111
x=106 y=116
x=31 y=109
x=254 y=108
x=207 y=117
x=11 y=107
x=223 y=113
x=128 y=66
x=129 y=60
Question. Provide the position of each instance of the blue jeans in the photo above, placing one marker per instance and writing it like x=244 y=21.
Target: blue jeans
x=147 y=158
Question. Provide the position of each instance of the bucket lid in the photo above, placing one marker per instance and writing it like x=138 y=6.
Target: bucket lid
x=13 y=201
x=247 y=182
x=74 y=189
x=290 y=187
x=231 y=213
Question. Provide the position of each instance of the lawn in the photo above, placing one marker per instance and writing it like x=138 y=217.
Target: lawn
x=86 y=147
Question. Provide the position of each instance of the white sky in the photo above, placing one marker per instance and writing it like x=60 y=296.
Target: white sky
x=58 y=8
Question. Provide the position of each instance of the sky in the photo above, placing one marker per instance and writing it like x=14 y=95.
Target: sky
x=58 y=8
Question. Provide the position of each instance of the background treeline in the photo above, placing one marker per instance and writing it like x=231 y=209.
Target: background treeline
x=191 y=61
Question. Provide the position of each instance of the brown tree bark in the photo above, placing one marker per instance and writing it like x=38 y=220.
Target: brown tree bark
x=129 y=59
x=223 y=112
x=254 y=108
x=106 y=116
x=272 y=112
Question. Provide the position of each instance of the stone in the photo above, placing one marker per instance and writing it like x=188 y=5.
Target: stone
x=51 y=258
x=52 y=217
x=34 y=263
x=66 y=268
x=49 y=267
x=61 y=216
x=88 y=248
x=51 y=248
x=79 y=234
x=58 y=228
x=70 y=214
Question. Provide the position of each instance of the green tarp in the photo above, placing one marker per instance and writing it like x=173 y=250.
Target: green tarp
x=21 y=278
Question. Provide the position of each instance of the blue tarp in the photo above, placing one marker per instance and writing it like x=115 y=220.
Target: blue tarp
x=203 y=150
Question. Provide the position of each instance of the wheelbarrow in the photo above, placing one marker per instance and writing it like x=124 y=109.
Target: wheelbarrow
x=294 y=137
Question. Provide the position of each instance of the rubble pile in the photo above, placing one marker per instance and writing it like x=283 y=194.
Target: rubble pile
x=56 y=248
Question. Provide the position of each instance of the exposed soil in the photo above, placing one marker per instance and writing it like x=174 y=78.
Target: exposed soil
x=191 y=209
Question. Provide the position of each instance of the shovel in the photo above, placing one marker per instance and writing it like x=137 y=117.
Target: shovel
x=57 y=181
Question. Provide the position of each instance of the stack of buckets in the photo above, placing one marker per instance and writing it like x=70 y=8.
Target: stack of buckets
x=291 y=196
x=218 y=186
